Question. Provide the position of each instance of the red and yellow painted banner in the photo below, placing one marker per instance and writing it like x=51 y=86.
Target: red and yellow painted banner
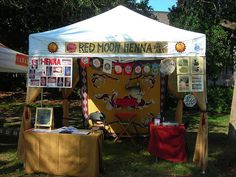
x=107 y=91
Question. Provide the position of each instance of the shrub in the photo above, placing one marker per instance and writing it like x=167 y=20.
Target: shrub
x=219 y=99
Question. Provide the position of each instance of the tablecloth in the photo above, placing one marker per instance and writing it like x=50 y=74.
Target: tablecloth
x=167 y=142
x=63 y=154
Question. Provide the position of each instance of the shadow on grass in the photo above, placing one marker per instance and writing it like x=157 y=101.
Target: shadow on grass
x=126 y=159
x=9 y=168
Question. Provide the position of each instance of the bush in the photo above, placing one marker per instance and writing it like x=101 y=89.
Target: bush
x=219 y=99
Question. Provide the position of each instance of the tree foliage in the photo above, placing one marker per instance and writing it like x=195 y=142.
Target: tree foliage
x=19 y=18
x=205 y=16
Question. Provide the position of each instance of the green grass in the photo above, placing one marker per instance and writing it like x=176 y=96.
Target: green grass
x=124 y=159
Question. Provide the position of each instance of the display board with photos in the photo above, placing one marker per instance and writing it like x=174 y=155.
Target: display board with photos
x=190 y=72
x=50 y=72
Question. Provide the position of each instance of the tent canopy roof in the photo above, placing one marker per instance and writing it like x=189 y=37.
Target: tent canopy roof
x=117 y=25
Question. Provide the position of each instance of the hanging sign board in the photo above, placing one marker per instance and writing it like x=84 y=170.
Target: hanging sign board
x=190 y=73
x=50 y=72
x=116 y=47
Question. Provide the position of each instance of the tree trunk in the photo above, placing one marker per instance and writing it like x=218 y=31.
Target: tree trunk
x=228 y=24
x=232 y=120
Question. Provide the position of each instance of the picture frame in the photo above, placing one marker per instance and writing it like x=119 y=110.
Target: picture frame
x=184 y=83
x=197 y=65
x=183 y=66
x=44 y=117
x=197 y=83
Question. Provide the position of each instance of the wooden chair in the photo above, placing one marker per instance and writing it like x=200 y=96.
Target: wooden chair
x=126 y=121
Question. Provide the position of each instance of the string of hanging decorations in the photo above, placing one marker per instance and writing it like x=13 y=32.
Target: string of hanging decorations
x=128 y=66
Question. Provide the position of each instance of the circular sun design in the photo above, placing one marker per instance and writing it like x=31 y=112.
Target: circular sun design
x=180 y=47
x=52 y=47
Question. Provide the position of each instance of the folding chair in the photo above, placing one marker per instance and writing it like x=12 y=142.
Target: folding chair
x=125 y=120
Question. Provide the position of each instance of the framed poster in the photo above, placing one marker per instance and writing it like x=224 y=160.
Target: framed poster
x=197 y=83
x=50 y=72
x=44 y=117
x=183 y=83
x=183 y=66
x=197 y=65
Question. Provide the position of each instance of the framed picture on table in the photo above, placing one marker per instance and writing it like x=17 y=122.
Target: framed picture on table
x=44 y=118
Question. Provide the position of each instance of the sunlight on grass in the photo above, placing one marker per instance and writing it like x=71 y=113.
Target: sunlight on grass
x=125 y=159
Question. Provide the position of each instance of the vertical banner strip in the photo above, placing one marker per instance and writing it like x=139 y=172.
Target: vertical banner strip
x=84 y=92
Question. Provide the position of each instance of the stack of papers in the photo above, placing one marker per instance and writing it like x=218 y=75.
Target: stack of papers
x=170 y=124
x=70 y=130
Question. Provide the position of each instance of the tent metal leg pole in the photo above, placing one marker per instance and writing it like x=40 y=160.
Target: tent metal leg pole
x=42 y=98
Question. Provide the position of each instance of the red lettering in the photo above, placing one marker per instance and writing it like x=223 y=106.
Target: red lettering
x=21 y=60
x=50 y=61
x=58 y=62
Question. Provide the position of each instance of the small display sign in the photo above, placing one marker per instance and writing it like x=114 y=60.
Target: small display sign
x=44 y=117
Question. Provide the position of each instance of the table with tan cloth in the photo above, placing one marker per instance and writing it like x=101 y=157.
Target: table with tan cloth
x=63 y=154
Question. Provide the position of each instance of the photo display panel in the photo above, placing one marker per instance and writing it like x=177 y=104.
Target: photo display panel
x=50 y=72
x=190 y=74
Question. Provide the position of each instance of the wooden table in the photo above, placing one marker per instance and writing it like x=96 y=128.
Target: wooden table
x=63 y=154
x=167 y=142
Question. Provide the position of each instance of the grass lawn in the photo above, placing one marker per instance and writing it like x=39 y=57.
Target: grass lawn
x=124 y=159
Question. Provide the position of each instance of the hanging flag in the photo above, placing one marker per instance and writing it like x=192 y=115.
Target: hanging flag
x=138 y=69
x=117 y=68
x=84 y=62
x=107 y=66
x=146 y=69
x=96 y=63
x=128 y=68
x=155 y=69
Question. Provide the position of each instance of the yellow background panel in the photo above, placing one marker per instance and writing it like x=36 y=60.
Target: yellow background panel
x=104 y=88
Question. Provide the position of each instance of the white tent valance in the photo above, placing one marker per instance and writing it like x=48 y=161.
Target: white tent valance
x=119 y=32
x=12 y=61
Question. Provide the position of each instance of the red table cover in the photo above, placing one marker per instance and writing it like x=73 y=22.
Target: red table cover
x=167 y=142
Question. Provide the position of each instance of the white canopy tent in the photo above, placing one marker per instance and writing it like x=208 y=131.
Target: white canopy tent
x=121 y=33
x=117 y=25
x=12 y=61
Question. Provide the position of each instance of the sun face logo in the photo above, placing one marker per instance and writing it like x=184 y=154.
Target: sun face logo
x=52 y=47
x=180 y=47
